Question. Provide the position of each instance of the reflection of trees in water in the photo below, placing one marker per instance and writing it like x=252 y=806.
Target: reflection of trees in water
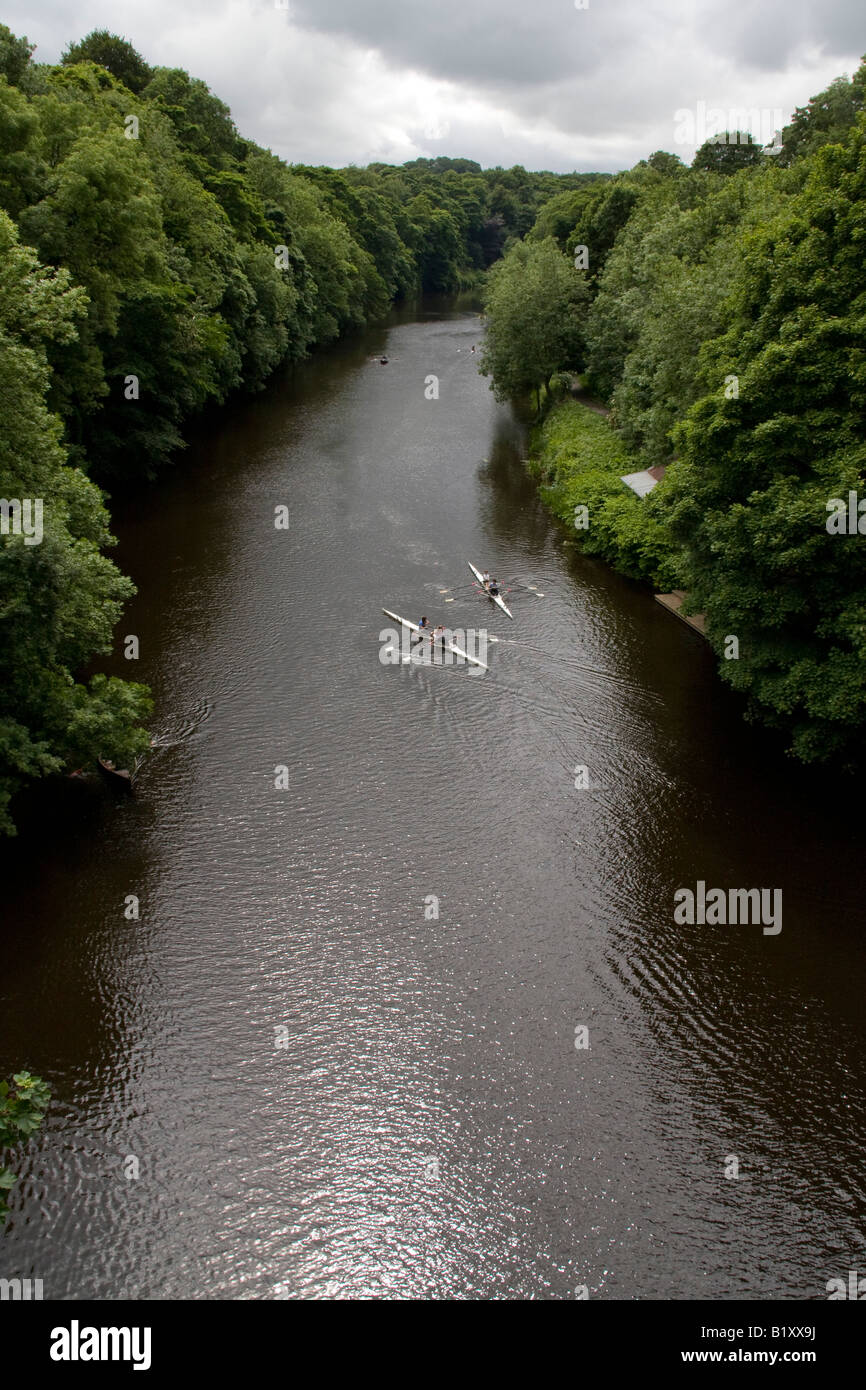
x=510 y=501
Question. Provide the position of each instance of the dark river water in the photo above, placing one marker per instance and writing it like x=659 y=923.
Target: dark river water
x=325 y=1088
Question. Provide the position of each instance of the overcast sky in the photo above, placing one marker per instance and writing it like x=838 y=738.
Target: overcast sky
x=533 y=82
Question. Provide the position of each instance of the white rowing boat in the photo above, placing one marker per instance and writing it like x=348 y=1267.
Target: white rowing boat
x=458 y=651
x=497 y=598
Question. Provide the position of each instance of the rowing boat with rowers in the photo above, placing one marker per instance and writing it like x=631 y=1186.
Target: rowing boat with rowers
x=485 y=584
x=450 y=646
x=119 y=778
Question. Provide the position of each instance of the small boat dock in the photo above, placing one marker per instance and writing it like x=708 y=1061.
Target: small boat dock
x=674 y=602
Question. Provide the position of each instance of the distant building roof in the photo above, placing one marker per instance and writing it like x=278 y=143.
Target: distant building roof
x=644 y=482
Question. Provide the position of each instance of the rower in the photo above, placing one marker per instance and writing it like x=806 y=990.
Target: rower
x=421 y=633
x=437 y=635
x=493 y=586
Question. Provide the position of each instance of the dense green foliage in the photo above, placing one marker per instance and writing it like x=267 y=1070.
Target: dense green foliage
x=748 y=501
x=114 y=53
x=207 y=261
x=728 y=153
x=23 y=1104
x=533 y=304
x=727 y=331
x=60 y=597
x=579 y=461
x=153 y=262
x=826 y=119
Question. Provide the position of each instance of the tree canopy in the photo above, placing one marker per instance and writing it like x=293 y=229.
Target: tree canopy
x=59 y=597
x=534 y=303
x=114 y=53
x=153 y=261
x=725 y=154
x=726 y=332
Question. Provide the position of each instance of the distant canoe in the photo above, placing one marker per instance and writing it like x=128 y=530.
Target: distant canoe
x=118 y=777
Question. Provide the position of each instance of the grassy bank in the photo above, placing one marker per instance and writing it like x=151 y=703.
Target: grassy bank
x=579 y=462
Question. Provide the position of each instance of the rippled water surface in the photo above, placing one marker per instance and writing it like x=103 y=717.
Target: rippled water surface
x=327 y=1090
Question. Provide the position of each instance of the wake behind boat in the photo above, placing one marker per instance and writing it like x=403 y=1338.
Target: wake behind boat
x=450 y=646
x=485 y=584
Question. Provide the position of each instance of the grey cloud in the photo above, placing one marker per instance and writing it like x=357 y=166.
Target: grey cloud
x=770 y=35
x=536 y=82
x=487 y=43
x=519 y=44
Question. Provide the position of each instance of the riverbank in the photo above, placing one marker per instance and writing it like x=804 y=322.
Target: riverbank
x=579 y=463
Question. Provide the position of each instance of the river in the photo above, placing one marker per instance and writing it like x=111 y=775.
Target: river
x=341 y=1051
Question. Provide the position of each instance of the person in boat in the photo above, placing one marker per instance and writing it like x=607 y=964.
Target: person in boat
x=493 y=586
x=439 y=635
x=423 y=631
x=383 y=361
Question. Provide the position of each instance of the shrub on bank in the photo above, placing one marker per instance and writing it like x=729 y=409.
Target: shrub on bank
x=580 y=461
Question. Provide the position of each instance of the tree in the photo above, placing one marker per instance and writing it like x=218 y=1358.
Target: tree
x=19 y=166
x=603 y=216
x=436 y=242
x=615 y=230
x=114 y=53
x=665 y=163
x=825 y=119
x=203 y=124
x=101 y=219
x=748 y=500
x=534 y=305
x=61 y=597
x=561 y=213
x=671 y=295
x=22 y=1109
x=14 y=56
x=728 y=153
